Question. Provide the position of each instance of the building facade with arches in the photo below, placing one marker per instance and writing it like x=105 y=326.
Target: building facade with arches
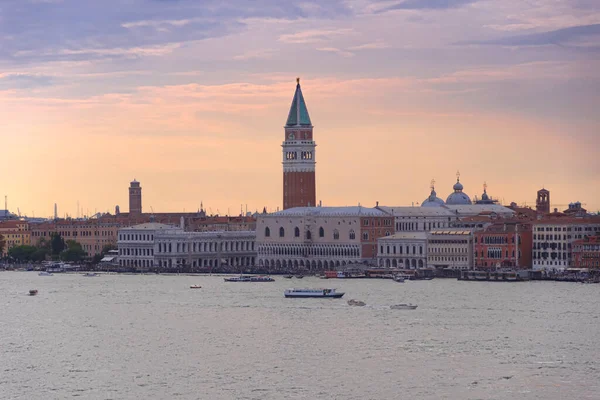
x=406 y=250
x=154 y=245
x=320 y=238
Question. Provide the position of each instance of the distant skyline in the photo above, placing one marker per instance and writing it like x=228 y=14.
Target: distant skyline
x=190 y=99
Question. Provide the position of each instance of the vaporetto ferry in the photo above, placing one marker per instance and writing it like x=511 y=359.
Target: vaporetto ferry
x=331 y=293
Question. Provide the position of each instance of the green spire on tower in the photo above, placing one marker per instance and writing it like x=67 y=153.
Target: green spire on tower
x=298 y=112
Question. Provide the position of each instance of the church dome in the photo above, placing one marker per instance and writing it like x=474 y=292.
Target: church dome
x=432 y=200
x=458 y=197
x=485 y=196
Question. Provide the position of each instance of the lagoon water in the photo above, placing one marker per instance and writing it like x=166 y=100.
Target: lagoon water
x=151 y=337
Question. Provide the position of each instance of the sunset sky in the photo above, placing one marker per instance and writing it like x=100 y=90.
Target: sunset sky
x=190 y=98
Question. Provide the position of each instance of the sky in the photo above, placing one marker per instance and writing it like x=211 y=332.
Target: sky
x=190 y=98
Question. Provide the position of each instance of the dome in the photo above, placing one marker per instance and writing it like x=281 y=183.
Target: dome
x=458 y=197
x=432 y=200
x=485 y=196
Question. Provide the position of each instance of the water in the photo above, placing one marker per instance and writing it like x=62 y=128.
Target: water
x=136 y=337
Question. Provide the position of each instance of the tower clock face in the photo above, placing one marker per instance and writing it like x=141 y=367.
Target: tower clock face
x=292 y=136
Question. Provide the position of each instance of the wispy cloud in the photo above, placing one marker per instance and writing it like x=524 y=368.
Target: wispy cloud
x=337 y=51
x=555 y=37
x=255 y=54
x=156 y=23
x=132 y=52
x=315 y=35
x=370 y=46
x=428 y=5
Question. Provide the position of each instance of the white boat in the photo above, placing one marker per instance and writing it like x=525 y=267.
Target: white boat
x=242 y=278
x=403 y=307
x=45 y=273
x=90 y=274
x=331 y=293
x=399 y=278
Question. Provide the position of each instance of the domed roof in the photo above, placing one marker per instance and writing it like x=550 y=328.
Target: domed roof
x=432 y=200
x=458 y=197
x=485 y=196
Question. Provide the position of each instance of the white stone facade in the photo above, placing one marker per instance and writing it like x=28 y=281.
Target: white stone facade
x=553 y=240
x=406 y=250
x=162 y=246
x=423 y=219
x=318 y=238
x=450 y=249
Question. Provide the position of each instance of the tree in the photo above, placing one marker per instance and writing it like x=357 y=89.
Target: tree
x=73 y=252
x=2 y=244
x=22 y=253
x=57 y=243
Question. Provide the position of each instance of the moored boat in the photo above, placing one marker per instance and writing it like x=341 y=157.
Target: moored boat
x=242 y=278
x=399 y=278
x=304 y=292
x=288 y=276
x=45 y=273
x=299 y=276
x=403 y=307
x=90 y=274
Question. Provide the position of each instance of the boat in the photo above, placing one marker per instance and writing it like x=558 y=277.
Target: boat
x=45 y=273
x=356 y=303
x=288 y=276
x=299 y=276
x=330 y=293
x=243 y=278
x=195 y=287
x=90 y=274
x=399 y=278
x=33 y=292
x=403 y=307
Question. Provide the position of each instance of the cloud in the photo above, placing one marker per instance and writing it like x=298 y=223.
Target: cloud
x=555 y=37
x=370 y=46
x=24 y=81
x=315 y=35
x=428 y=5
x=335 y=50
x=132 y=52
x=156 y=24
x=255 y=54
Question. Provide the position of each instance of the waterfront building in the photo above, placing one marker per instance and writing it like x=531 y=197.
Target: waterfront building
x=419 y=219
x=406 y=250
x=553 y=238
x=586 y=252
x=450 y=249
x=318 y=238
x=503 y=245
x=299 y=156
x=168 y=247
x=15 y=233
x=135 y=198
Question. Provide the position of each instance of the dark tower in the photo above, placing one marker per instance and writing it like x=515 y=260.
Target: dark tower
x=542 y=204
x=135 y=198
x=298 y=156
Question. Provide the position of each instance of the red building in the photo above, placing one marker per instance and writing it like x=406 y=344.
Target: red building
x=504 y=244
x=298 y=156
x=586 y=252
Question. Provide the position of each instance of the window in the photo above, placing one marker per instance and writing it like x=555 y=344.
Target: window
x=352 y=234
x=321 y=232
x=336 y=234
x=365 y=235
x=308 y=235
x=296 y=232
x=267 y=232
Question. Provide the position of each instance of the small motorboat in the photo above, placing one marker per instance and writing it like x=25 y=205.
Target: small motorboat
x=299 y=276
x=45 y=273
x=33 y=292
x=403 y=307
x=195 y=287
x=90 y=274
x=356 y=303
x=288 y=276
x=399 y=278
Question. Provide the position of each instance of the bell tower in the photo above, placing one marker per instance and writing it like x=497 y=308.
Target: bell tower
x=298 y=156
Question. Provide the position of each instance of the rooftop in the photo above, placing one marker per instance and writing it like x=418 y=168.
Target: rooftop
x=451 y=232
x=350 y=211
x=406 y=235
x=418 y=211
x=151 y=226
x=298 y=112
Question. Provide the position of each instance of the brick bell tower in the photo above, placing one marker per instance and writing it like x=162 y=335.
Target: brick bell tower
x=298 y=156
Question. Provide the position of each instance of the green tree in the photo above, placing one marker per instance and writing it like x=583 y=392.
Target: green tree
x=73 y=252
x=2 y=244
x=57 y=243
x=22 y=253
